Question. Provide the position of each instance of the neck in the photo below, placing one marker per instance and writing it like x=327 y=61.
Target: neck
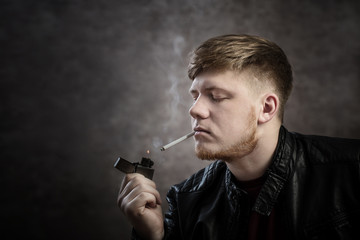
x=254 y=165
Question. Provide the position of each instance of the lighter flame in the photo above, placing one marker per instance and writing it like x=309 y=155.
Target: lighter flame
x=148 y=151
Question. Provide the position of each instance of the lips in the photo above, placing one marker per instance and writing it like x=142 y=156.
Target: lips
x=200 y=130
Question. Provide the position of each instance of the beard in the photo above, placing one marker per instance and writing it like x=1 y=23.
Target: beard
x=243 y=147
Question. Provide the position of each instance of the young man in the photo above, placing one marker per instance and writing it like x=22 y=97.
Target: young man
x=266 y=182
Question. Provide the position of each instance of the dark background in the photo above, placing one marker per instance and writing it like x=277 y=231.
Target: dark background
x=83 y=82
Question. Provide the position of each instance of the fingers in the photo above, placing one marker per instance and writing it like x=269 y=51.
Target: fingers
x=140 y=202
x=137 y=192
x=137 y=178
x=138 y=205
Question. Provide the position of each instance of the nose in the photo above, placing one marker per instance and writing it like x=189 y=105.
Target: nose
x=199 y=109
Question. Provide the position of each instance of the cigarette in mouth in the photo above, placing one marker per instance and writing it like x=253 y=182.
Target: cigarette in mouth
x=189 y=135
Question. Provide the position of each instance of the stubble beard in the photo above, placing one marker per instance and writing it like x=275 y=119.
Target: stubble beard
x=238 y=150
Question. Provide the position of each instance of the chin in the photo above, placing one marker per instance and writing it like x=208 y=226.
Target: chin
x=204 y=153
x=235 y=151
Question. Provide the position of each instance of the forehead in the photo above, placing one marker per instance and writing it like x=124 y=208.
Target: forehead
x=227 y=80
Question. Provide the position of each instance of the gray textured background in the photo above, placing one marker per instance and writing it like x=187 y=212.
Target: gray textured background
x=83 y=82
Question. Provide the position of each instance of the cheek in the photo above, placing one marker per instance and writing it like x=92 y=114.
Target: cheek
x=228 y=126
x=236 y=123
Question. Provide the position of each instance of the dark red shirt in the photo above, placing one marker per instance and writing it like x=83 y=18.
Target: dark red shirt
x=260 y=227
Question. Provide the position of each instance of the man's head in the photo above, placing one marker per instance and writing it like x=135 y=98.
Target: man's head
x=240 y=85
x=263 y=58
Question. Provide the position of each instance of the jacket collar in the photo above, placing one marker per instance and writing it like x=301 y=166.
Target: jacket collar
x=277 y=175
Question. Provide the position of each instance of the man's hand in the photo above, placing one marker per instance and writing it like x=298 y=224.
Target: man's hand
x=140 y=202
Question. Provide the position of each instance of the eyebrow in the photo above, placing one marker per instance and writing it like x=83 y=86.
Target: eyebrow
x=210 y=89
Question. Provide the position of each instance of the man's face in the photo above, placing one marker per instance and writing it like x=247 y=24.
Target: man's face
x=223 y=115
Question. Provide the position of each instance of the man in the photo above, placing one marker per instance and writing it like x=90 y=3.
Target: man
x=266 y=182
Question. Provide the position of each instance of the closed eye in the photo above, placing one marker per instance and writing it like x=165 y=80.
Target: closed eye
x=215 y=98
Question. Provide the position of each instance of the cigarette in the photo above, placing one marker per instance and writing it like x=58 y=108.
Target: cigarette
x=189 y=135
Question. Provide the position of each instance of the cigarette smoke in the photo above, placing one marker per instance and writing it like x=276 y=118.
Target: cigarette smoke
x=170 y=64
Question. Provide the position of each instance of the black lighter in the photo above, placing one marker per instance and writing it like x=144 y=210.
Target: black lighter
x=144 y=167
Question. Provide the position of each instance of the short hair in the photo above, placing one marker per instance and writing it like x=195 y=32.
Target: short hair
x=238 y=52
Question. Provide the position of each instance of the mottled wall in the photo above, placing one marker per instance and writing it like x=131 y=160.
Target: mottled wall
x=83 y=82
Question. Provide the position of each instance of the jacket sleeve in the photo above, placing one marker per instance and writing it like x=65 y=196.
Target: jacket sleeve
x=171 y=221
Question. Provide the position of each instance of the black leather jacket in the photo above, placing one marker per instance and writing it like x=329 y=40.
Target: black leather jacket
x=313 y=181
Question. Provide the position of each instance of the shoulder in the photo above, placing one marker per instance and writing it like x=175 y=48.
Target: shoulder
x=202 y=179
x=323 y=149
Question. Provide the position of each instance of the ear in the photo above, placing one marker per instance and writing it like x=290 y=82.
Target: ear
x=269 y=107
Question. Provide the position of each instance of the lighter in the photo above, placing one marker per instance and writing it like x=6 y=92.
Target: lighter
x=144 y=167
